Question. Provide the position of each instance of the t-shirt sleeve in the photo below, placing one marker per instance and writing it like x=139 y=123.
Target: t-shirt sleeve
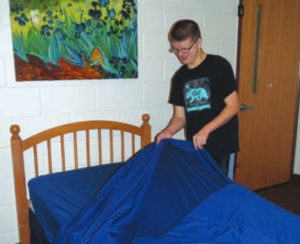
x=176 y=92
x=226 y=77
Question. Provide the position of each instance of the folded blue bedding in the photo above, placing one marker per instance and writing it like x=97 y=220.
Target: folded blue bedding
x=166 y=193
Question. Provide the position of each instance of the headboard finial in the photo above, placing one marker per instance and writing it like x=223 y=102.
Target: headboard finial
x=15 y=130
x=145 y=118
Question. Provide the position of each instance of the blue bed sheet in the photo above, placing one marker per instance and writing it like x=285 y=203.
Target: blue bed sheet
x=233 y=215
x=169 y=193
x=56 y=197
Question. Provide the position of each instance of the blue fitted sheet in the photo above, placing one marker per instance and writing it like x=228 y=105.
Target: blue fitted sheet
x=56 y=197
x=170 y=193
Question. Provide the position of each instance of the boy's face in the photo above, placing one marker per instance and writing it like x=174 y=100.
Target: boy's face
x=187 y=51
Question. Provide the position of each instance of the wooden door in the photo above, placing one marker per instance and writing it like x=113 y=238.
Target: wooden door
x=268 y=85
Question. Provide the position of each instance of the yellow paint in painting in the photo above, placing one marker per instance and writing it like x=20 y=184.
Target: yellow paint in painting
x=77 y=12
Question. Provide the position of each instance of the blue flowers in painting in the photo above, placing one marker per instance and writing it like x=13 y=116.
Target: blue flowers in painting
x=80 y=27
x=111 y=13
x=46 y=30
x=95 y=14
x=113 y=32
x=103 y=3
x=22 y=19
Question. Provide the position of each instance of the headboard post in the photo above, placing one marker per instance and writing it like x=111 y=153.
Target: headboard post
x=146 y=130
x=20 y=184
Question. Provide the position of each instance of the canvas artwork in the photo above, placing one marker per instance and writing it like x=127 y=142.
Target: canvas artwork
x=74 y=39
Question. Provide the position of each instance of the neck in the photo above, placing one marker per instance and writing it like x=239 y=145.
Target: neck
x=198 y=60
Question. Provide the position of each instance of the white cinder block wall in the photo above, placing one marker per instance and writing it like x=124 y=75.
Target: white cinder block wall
x=39 y=105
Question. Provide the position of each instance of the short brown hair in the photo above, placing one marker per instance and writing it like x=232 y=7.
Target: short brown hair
x=184 y=29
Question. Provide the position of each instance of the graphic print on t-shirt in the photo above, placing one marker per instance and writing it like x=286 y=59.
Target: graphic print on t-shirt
x=197 y=94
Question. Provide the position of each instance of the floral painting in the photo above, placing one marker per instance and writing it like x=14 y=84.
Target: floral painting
x=74 y=39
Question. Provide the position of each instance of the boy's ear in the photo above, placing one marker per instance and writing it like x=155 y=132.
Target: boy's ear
x=199 y=42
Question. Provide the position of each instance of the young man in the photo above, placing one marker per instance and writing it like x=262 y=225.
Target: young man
x=204 y=96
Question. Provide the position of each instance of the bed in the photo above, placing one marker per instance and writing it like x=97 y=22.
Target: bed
x=165 y=193
x=104 y=134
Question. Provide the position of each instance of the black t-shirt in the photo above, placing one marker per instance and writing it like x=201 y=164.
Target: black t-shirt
x=201 y=91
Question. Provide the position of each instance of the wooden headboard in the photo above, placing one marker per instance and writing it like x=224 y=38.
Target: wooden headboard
x=19 y=146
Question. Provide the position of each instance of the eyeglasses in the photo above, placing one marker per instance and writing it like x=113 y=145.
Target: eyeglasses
x=183 y=50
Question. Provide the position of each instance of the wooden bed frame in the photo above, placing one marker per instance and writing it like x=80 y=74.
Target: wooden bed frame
x=18 y=146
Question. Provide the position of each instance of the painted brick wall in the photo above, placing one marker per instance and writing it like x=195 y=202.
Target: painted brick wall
x=39 y=105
